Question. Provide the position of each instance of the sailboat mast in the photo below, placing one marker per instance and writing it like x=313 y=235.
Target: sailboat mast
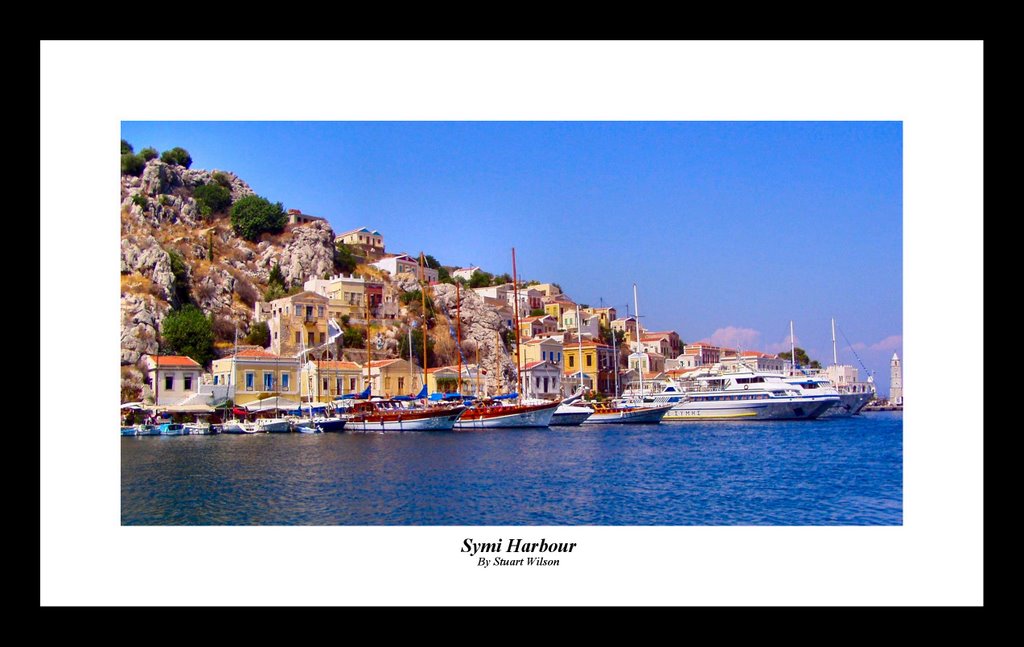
x=835 y=355
x=579 y=342
x=615 y=360
x=369 y=356
x=423 y=300
x=792 y=345
x=515 y=293
x=458 y=332
x=639 y=344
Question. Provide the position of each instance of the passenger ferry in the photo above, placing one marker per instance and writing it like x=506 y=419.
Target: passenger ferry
x=741 y=395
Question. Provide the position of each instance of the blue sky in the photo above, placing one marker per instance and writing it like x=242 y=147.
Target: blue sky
x=729 y=229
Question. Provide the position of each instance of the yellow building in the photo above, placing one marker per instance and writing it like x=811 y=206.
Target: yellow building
x=557 y=308
x=443 y=379
x=598 y=365
x=368 y=243
x=294 y=321
x=390 y=377
x=605 y=315
x=256 y=374
x=532 y=326
x=547 y=289
x=542 y=350
x=325 y=380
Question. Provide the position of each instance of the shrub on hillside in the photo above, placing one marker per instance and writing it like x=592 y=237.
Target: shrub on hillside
x=212 y=198
x=222 y=179
x=223 y=328
x=245 y=291
x=148 y=153
x=177 y=155
x=132 y=164
x=140 y=200
x=259 y=334
x=254 y=215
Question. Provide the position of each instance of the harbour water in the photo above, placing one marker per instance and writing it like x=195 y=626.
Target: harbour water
x=827 y=472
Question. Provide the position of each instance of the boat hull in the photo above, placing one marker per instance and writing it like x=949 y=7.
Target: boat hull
x=173 y=429
x=766 y=409
x=528 y=416
x=274 y=426
x=570 y=416
x=411 y=420
x=629 y=415
x=236 y=428
x=199 y=429
x=320 y=425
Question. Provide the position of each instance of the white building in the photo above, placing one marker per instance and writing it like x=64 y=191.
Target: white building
x=173 y=378
x=588 y=325
x=400 y=263
x=896 y=380
x=752 y=360
x=541 y=380
x=681 y=362
x=465 y=272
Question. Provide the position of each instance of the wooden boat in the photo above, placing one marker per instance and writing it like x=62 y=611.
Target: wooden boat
x=392 y=415
x=503 y=412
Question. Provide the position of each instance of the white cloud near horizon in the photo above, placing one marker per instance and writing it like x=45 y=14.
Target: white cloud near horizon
x=892 y=342
x=783 y=346
x=736 y=337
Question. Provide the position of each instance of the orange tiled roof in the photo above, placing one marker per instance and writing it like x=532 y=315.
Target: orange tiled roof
x=380 y=363
x=168 y=361
x=334 y=364
x=442 y=368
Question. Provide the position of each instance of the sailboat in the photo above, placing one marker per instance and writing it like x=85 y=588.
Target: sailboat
x=320 y=423
x=509 y=410
x=403 y=413
x=627 y=410
x=853 y=394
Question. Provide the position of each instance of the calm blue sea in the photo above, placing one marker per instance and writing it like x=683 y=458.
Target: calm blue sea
x=827 y=472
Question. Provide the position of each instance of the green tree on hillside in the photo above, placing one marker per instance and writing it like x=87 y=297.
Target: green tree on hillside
x=148 y=153
x=480 y=279
x=259 y=334
x=177 y=155
x=126 y=148
x=254 y=215
x=189 y=332
x=345 y=260
x=180 y=271
x=212 y=198
x=131 y=164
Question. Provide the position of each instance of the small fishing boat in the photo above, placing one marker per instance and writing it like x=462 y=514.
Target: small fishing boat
x=172 y=429
x=129 y=431
x=198 y=428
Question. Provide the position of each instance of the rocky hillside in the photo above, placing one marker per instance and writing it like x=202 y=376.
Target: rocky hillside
x=171 y=252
